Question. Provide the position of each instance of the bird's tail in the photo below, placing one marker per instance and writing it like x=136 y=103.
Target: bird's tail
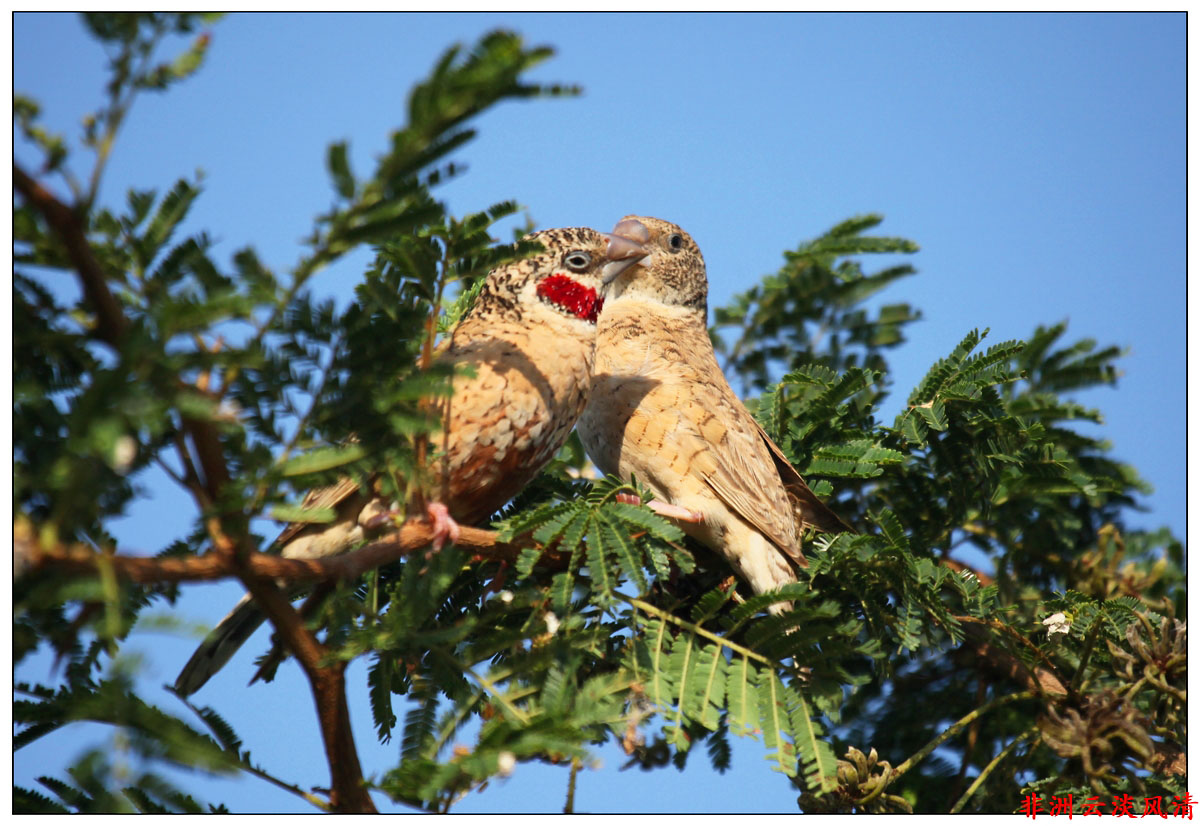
x=220 y=644
x=811 y=512
x=808 y=510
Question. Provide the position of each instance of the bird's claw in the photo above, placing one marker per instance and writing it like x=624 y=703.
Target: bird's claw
x=444 y=527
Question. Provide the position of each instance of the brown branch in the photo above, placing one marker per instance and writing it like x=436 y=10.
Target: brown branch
x=277 y=653
x=210 y=452
x=349 y=793
x=190 y=477
x=66 y=223
x=328 y=682
x=207 y=441
x=349 y=790
x=1043 y=678
x=959 y=567
x=81 y=559
x=111 y=322
x=259 y=572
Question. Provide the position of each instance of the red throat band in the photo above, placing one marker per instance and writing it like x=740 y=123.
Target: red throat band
x=563 y=291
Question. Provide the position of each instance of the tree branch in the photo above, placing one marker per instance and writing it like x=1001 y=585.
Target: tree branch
x=259 y=572
x=953 y=731
x=81 y=559
x=328 y=682
x=349 y=790
x=1044 y=678
x=110 y=320
x=960 y=567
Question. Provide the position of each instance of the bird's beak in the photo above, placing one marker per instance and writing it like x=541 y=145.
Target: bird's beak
x=632 y=229
x=623 y=253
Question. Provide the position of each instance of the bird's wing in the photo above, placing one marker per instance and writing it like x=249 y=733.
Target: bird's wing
x=219 y=646
x=810 y=512
x=731 y=458
x=327 y=497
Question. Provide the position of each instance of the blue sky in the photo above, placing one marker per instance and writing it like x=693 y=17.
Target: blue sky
x=1038 y=160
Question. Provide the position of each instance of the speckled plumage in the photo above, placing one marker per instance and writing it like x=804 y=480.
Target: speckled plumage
x=533 y=363
x=662 y=410
x=531 y=354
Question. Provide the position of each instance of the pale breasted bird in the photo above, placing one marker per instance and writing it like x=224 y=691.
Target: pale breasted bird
x=661 y=410
x=529 y=341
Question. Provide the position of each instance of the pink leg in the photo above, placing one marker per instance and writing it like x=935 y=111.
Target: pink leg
x=663 y=508
x=675 y=511
x=444 y=527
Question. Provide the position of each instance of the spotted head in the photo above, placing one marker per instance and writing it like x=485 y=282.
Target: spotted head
x=567 y=279
x=672 y=274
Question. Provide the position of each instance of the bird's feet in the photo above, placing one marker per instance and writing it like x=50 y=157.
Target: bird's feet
x=377 y=513
x=444 y=527
x=663 y=508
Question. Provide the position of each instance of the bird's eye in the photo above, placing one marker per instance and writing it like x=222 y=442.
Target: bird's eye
x=577 y=261
x=675 y=241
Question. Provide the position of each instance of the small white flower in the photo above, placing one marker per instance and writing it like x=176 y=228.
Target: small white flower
x=551 y=623
x=123 y=453
x=228 y=411
x=505 y=596
x=1057 y=624
x=507 y=762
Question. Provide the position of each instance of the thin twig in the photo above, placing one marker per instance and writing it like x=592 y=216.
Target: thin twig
x=116 y=114
x=989 y=768
x=486 y=684
x=569 y=808
x=254 y=770
x=928 y=748
x=647 y=608
x=1088 y=643
x=191 y=479
x=1037 y=652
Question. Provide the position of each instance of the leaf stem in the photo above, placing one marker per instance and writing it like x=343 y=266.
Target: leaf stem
x=254 y=770
x=487 y=684
x=569 y=808
x=647 y=608
x=1088 y=644
x=989 y=768
x=957 y=727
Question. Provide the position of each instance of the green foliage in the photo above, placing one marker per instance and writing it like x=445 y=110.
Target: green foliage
x=95 y=788
x=992 y=620
x=612 y=539
x=701 y=679
x=808 y=312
